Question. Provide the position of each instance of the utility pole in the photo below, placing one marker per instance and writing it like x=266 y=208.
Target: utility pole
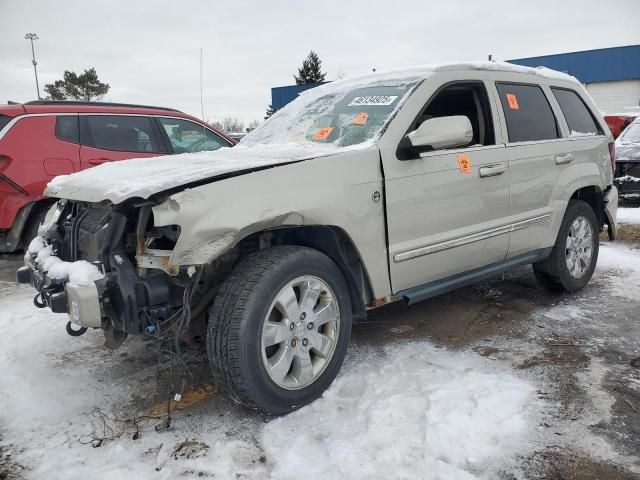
x=32 y=37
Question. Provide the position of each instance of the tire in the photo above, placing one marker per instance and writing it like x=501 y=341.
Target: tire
x=239 y=329
x=554 y=272
x=30 y=229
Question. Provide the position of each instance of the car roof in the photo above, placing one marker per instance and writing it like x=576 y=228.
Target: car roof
x=69 y=107
x=46 y=106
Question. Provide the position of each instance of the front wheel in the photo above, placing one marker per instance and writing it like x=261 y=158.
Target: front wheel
x=573 y=258
x=279 y=328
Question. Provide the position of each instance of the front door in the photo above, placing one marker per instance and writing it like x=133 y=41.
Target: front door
x=106 y=138
x=447 y=209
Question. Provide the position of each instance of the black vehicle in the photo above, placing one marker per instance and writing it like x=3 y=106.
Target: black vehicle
x=627 y=175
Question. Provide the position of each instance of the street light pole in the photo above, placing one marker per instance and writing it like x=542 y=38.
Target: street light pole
x=32 y=37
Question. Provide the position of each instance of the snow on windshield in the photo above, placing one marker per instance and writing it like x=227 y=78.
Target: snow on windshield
x=340 y=114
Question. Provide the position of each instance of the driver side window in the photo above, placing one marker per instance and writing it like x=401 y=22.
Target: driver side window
x=188 y=137
x=467 y=99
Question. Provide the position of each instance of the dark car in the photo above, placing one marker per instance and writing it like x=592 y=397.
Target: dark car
x=40 y=140
x=628 y=160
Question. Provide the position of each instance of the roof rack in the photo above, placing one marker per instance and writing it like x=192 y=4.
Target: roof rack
x=96 y=104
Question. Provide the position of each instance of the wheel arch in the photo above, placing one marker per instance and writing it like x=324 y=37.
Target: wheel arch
x=592 y=195
x=331 y=240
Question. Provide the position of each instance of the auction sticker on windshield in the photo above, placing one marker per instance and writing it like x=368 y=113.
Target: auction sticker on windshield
x=373 y=100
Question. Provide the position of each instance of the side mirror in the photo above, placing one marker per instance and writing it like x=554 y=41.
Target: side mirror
x=442 y=132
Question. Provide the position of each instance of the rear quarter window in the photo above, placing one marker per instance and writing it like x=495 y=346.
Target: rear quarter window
x=4 y=120
x=578 y=116
x=527 y=112
x=67 y=128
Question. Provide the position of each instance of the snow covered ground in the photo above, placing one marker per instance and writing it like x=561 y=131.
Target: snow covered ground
x=400 y=411
x=509 y=380
x=630 y=216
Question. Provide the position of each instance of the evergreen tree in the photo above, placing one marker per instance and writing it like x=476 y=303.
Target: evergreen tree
x=310 y=72
x=270 y=111
x=85 y=87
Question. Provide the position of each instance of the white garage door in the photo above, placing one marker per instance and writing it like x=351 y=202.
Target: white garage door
x=616 y=97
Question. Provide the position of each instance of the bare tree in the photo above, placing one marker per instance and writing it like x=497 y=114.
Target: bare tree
x=228 y=124
x=253 y=125
x=217 y=124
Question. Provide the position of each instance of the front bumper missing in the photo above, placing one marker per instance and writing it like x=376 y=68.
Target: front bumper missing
x=80 y=302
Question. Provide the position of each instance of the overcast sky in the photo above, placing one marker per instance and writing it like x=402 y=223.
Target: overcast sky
x=149 y=51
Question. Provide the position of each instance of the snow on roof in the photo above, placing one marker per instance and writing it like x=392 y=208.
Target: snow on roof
x=423 y=71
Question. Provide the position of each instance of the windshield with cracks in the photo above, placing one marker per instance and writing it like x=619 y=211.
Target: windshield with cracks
x=340 y=115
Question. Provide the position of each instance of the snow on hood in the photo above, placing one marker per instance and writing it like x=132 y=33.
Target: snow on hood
x=142 y=177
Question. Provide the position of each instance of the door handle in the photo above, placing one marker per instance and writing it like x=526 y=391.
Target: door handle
x=564 y=158
x=492 y=170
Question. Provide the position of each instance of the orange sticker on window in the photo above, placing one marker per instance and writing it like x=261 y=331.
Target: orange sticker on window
x=323 y=133
x=513 y=101
x=361 y=119
x=464 y=162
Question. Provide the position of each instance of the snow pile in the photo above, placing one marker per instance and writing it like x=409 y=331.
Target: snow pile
x=629 y=216
x=620 y=258
x=36 y=244
x=628 y=179
x=416 y=411
x=79 y=273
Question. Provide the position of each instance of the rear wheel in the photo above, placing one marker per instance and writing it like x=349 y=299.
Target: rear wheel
x=279 y=328
x=573 y=259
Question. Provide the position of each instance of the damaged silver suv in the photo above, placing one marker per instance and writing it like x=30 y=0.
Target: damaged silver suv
x=395 y=186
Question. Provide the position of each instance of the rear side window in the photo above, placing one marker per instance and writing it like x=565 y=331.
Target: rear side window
x=120 y=132
x=528 y=113
x=4 y=120
x=67 y=128
x=578 y=116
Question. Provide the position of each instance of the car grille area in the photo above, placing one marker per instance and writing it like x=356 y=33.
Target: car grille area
x=83 y=229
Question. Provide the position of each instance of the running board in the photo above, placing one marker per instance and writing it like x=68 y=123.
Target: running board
x=432 y=289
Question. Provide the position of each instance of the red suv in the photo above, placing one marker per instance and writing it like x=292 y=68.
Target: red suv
x=42 y=139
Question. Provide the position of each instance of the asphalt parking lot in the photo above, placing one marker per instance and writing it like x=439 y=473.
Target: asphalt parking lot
x=578 y=355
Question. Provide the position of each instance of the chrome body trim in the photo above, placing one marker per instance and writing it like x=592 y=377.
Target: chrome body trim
x=474 y=237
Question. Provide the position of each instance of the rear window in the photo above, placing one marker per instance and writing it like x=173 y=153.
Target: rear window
x=527 y=112
x=578 y=116
x=67 y=128
x=120 y=132
x=4 y=120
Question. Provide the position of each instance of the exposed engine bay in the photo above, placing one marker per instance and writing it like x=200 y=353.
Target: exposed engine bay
x=138 y=293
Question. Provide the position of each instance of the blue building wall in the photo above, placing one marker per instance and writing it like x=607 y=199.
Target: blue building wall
x=280 y=96
x=590 y=66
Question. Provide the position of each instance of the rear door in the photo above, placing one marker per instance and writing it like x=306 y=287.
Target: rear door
x=446 y=209
x=106 y=138
x=590 y=143
x=538 y=158
x=61 y=156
